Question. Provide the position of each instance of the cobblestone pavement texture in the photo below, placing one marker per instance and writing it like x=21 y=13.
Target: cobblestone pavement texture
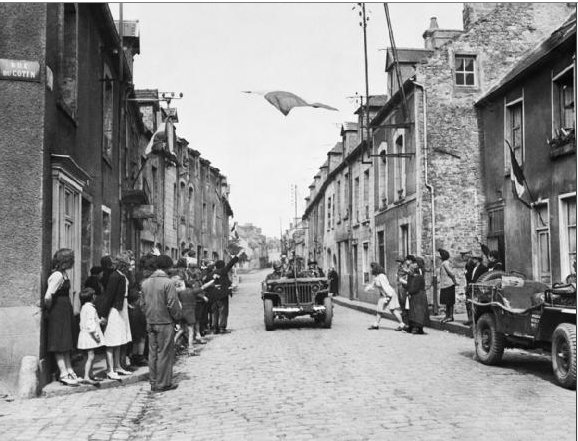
x=300 y=382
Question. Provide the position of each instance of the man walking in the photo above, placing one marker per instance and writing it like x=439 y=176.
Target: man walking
x=162 y=309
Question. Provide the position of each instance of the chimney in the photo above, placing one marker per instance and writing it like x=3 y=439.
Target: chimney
x=428 y=34
x=130 y=40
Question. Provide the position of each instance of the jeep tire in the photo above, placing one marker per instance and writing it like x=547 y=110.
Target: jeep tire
x=328 y=317
x=488 y=341
x=564 y=355
x=269 y=315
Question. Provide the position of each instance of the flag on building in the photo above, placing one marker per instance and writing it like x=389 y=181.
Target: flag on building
x=517 y=177
x=285 y=101
x=162 y=142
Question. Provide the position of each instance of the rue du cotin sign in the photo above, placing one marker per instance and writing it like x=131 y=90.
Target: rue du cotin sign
x=19 y=70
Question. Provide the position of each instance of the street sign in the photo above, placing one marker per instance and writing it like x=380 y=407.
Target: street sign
x=19 y=70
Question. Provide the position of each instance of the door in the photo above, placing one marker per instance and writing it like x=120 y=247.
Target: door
x=354 y=291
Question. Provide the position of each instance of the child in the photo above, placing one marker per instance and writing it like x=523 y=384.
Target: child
x=90 y=336
x=188 y=298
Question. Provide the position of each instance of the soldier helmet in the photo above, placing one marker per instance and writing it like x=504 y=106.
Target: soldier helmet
x=277 y=265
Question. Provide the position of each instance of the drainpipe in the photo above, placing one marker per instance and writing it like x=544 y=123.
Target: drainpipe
x=431 y=190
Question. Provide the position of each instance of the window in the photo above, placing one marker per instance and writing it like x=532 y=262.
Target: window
x=69 y=59
x=563 y=98
x=515 y=132
x=107 y=114
x=214 y=219
x=381 y=248
x=567 y=235
x=182 y=203
x=339 y=207
x=204 y=220
x=541 y=245
x=191 y=209
x=382 y=177
x=175 y=206
x=404 y=240
x=465 y=70
x=154 y=174
x=333 y=211
x=328 y=213
x=106 y=229
x=399 y=169
x=496 y=232
x=356 y=199
x=346 y=184
x=366 y=194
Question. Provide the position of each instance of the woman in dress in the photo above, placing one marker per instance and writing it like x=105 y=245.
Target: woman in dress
x=447 y=286
x=387 y=297
x=60 y=315
x=415 y=286
x=117 y=332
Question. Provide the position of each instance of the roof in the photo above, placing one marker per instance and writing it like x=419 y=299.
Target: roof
x=534 y=58
x=325 y=164
x=395 y=99
x=375 y=101
x=348 y=127
x=337 y=150
x=407 y=56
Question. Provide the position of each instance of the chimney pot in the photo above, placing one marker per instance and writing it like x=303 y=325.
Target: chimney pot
x=433 y=23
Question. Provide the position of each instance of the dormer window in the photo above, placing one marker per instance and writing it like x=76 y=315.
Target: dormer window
x=465 y=70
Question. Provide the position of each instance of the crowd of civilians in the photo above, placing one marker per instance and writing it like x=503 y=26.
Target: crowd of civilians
x=121 y=309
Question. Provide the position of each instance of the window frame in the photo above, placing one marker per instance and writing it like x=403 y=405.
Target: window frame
x=508 y=135
x=555 y=101
x=399 y=172
x=474 y=72
x=565 y=264
x=537 y=230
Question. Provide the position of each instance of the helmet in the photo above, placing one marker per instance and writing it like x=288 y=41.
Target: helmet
x=277 y=265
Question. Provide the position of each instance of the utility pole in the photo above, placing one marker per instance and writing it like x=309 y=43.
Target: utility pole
x=364 y=26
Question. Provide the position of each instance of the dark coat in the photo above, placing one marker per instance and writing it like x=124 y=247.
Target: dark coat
x=223 y=283
x=418 y=307
x=113 y=296
x=478 y=271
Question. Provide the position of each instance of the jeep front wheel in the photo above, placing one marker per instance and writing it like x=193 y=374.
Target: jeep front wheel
x=269 y=315
x=328 y=312
x=564 y=355
x=489 y=342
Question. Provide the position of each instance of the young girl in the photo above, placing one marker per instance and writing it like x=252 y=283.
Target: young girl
x=90 y=336
x=387 y=297
x=60 y=315
x=188 y=298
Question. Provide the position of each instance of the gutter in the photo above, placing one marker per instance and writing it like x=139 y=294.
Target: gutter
x=431 y=189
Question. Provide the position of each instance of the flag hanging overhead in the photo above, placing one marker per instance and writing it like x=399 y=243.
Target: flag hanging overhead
x=285 y=101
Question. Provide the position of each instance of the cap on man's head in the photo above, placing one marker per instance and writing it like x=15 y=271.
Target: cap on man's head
x=164 y=262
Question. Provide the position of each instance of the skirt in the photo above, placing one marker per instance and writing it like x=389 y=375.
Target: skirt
x=117 y=330
x=448 y=295
x=60 y=327
x=86 y=341
x=418 y=310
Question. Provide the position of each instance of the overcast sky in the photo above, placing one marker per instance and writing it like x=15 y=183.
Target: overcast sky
x=212 y=52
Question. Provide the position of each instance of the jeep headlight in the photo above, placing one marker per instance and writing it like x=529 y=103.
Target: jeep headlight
x=315 y=288
x=279 y=289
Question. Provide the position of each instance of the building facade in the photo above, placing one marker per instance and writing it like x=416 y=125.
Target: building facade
x=532 y=109
x=73 y=174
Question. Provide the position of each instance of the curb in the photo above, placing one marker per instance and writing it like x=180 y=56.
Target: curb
x=55 y=389
x=369 y=308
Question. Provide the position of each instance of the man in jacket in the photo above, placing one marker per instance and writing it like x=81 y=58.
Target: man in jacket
x=162 y=310
x=221 y=292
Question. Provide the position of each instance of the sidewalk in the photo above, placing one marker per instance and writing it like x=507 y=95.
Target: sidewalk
x=455 y=327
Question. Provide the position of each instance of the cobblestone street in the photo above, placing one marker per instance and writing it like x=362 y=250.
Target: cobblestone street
x=300 y=382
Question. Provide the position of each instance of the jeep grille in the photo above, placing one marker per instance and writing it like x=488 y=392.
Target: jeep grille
x=300 y=292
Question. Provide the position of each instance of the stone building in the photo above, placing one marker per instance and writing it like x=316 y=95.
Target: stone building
x=65 y=158
x=190 y=208
x=533 y=108
x=434 y=196
x=340 y=206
